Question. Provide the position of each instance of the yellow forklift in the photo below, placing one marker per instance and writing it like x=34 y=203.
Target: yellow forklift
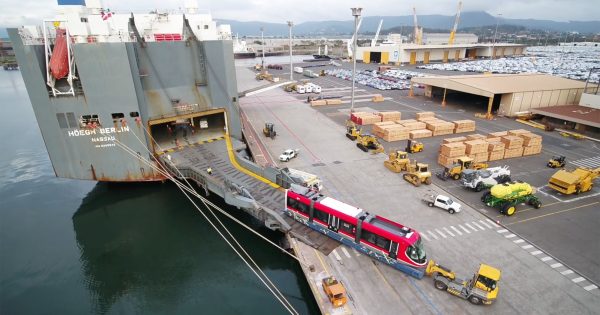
x=417 y=174
x=413 y=146
x=352 y=132
x=397 y=161
x=463 y=163
x=482 y=288
x=557 y=161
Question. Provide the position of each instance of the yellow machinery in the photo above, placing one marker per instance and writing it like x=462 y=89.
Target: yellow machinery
x=397 y=161
x=264 y=76
x=368 y=142
x=322 y=73
x=556 y=162
x=455 y=171
x=417 y=174
x=352 y=132
x=482 y=288
x=413 y=146
x=269 y=130
x=290 y=87
x=574 y=182
x=336 y=293
x=571 y=134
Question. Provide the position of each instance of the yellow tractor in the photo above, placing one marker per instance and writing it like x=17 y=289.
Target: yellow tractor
x=463 y=163
x=336 y=293
x=352 y=132
x=417 y=174
x=368 y=142
x=556 y=162
x=482 y=288
x=413 y=146
x=574 y=182
x=397 y=161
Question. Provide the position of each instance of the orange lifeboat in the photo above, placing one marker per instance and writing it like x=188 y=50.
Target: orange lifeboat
x=59 y=62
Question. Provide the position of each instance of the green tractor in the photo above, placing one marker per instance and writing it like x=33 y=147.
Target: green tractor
x=507 y=196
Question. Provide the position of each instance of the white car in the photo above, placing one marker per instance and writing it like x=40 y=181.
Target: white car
x=443 y=202
x=288 y=155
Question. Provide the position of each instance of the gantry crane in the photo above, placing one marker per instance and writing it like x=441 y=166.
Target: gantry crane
x=455 y=27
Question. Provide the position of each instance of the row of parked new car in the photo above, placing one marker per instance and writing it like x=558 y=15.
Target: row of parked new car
x=388 y=80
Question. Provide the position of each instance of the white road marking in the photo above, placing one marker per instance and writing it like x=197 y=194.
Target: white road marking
x=546 y=258
x=518 y=241
x=528 y=246
x=591 y=287
x=440 y=233
x=493 y=223
x=472 y=228
x=578 y=279
x=456 y=230
x=592 y=162
x=554 y=266
x=477 y=225
x=510 y=236
x=425 y=236
x=502 y=231
x=567 y=272
x=337 y=256
x=356 y=253
x=448 y=231
x=486 y=225
x=345 y=252
x=433 y=235
x=537 y=252
x=468 y=232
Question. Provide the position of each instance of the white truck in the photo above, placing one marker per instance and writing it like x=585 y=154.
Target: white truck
x=298 y=69
x=288 y=155
x=479 y=180
x=443 y=202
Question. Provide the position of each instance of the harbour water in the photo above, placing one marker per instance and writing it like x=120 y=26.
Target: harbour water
x=80 y=247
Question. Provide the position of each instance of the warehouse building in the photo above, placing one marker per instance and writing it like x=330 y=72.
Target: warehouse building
x=584 y=117
x=504 y=94
x=442 y=38
x=413 y=54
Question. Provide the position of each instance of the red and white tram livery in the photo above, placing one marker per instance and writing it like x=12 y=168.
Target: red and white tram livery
x=385 y=240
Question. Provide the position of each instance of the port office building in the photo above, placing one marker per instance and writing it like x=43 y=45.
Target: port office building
x=504 y=94
x=414 y=54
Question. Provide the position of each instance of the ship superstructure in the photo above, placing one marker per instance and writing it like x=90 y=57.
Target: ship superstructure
x=94 y=75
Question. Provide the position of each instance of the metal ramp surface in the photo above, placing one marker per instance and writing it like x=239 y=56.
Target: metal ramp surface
x=214 y=155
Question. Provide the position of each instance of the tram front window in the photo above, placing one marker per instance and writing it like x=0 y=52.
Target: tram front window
x=416 y=252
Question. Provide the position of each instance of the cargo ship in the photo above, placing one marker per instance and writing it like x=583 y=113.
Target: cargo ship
x=95 y=76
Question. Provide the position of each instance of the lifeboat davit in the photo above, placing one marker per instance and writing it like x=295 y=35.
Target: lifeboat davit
x=59 y=62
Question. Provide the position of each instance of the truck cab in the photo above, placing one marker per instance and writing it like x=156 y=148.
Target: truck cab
x=442 y=202
x=336 y=293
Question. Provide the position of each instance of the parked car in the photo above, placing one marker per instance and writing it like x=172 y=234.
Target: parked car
x=443 y=202
x=288 y=155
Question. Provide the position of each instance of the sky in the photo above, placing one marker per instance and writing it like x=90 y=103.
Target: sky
x=23 y=12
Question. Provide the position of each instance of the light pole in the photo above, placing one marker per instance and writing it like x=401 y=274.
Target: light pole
x=496 y=32
x=290 y=24
x=356 y=14
x=262 y=42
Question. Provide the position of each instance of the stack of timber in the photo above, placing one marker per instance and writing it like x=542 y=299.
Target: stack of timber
x=414 y=125
x=389 y=116
x=393 y=133
x=465 y=125
x=378 y=127
x=477 y=150
x=514 y=146
x=449 y=152
x=363 y=118
x=424 y=115
x=334 y=101
x=532 y=143
x=455 y=139
x=440 y=128
x=377 y=98
x=476 y=136
x=417 y=134
x=318 y=103
x=495 y=149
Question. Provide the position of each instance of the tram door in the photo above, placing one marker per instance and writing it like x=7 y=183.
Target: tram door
x=393 y=250
x=333 y=223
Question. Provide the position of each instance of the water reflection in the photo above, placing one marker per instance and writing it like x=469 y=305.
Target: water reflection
x=144 y=248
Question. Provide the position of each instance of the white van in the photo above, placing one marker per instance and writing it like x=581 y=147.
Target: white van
x=308 y=88
x=300 y=89
x=316 y=88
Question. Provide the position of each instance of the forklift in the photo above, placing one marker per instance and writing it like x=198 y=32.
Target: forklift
x=481 y=289
x=557 y=161
x=269 y=130
x=413 y=146
x=352 y=132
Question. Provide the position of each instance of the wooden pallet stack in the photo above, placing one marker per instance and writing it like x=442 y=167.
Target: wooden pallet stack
x=532 y=143
x=394 y=133
x=414 y=125
x=455 y=139
x=440 y=128
x=389 y=116
x=465 y=125
x=514 y=146
x=363 y=118
x=449 y=152
x=476 y=136
x=425 y=115
x=378 y=128
x=418 y=134
x=477 y=150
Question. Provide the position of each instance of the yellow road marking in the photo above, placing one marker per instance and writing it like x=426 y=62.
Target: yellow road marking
x=557 y=212
x=243 y=170
x=527 y=209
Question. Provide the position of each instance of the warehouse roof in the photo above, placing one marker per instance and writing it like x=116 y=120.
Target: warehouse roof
x=575 y=113
x=490 y=84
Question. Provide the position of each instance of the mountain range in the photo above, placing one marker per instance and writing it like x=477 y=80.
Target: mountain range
x=370 y=23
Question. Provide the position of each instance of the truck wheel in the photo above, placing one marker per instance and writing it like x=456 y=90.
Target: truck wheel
x=537 y=204
x=451 y=211
x=509 y=209
x=430 y=204
x=456 y=176
x=428 y=181
x=549 y=165
x=475 y=300
x=479 y=187
x=440 y=285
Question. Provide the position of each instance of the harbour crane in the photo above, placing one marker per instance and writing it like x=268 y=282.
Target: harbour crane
x=418 y=32
x=455 y=27
x=374 y=40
